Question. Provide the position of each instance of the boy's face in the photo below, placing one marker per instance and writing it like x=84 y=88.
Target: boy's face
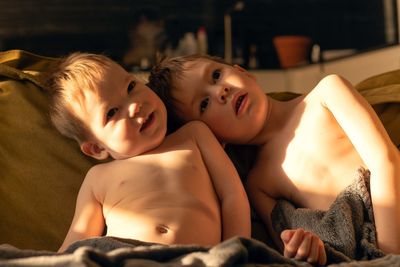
x=227 y=98
x=125 y=116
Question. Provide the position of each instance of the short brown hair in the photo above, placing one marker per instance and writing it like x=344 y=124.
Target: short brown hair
x=73 y=75
x=162 y=80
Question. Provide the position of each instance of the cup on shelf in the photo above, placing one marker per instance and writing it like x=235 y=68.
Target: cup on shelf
x=292 y=50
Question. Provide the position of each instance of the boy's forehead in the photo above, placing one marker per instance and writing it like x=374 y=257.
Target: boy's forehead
x=84 y=102
x=191 y=71
x=196 y=67
x=193 y=74
x=200 y=62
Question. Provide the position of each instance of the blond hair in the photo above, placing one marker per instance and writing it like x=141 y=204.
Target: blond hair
x=73 y=76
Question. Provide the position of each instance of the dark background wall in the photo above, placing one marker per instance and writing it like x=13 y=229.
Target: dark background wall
x=57 y=27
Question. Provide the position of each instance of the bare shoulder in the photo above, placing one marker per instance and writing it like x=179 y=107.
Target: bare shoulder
x=195 y=130
x=97 y=180
x=92 y=172
x=96 y=173
x=194 y=126
x=329 y=86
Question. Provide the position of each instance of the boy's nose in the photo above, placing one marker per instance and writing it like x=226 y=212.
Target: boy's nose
x=133 y=108
x=223 y=94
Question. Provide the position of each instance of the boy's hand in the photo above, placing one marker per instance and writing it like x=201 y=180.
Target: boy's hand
x=303 y=245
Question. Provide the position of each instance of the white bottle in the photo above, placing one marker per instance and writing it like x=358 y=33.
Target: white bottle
x=189 y=44
x=202 y=42
x=253 y=61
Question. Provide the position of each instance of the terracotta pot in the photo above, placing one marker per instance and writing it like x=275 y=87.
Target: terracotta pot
x=292 y=50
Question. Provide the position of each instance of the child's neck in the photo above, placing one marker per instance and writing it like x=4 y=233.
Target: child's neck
x=278 y=113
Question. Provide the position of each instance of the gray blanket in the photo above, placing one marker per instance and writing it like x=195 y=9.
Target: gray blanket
x=347 y=229
x=108 y=251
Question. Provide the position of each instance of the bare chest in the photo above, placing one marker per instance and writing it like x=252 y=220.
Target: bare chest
x=175 y=178
x=162 y=198
x=311 y=162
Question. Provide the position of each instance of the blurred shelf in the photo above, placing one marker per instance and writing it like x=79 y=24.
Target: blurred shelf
x=355 y=68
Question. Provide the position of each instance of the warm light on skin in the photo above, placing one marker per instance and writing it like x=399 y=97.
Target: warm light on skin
x=235 y=81
x=208 y=79
x=121 y=136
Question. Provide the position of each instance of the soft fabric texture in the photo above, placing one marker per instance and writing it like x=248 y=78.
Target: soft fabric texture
x=109 y=251
x=347 y=228
x=106 y=251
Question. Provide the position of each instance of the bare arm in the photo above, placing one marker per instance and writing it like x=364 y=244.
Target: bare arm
x=263 y=203
x=369 y=137
x=228 y=186
x=298 y=243
x=88 y=218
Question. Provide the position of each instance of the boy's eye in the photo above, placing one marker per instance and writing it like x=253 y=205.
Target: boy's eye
x=111 y=113
x=131 y=86
x=216 y=74
x=203 y=105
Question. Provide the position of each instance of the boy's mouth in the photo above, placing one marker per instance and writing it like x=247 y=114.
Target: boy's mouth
x=146 y=124
x=239 y=102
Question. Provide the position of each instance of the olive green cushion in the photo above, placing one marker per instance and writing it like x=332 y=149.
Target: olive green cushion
x=40 y=170
x=383 y=92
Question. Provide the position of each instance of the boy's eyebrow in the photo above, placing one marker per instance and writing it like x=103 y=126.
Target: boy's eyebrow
x=204 y=73
x=103 y=111
x=106 y=105
x=129 y=77
x=207 y=71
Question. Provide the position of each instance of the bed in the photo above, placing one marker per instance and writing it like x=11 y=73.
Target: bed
x=41 y=172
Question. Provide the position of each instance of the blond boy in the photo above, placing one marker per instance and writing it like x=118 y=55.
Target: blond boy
x=175 y=189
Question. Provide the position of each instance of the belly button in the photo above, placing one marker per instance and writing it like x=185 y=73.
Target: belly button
x=162 y=229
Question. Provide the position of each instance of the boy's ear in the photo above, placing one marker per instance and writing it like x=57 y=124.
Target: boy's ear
x=94 y=150
x=236 y=66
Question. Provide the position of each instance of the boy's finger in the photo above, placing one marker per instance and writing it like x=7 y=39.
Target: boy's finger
x=286 y=235
x=314 y=250
x=321 y=254
x=304 y=249
x=292 y=246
